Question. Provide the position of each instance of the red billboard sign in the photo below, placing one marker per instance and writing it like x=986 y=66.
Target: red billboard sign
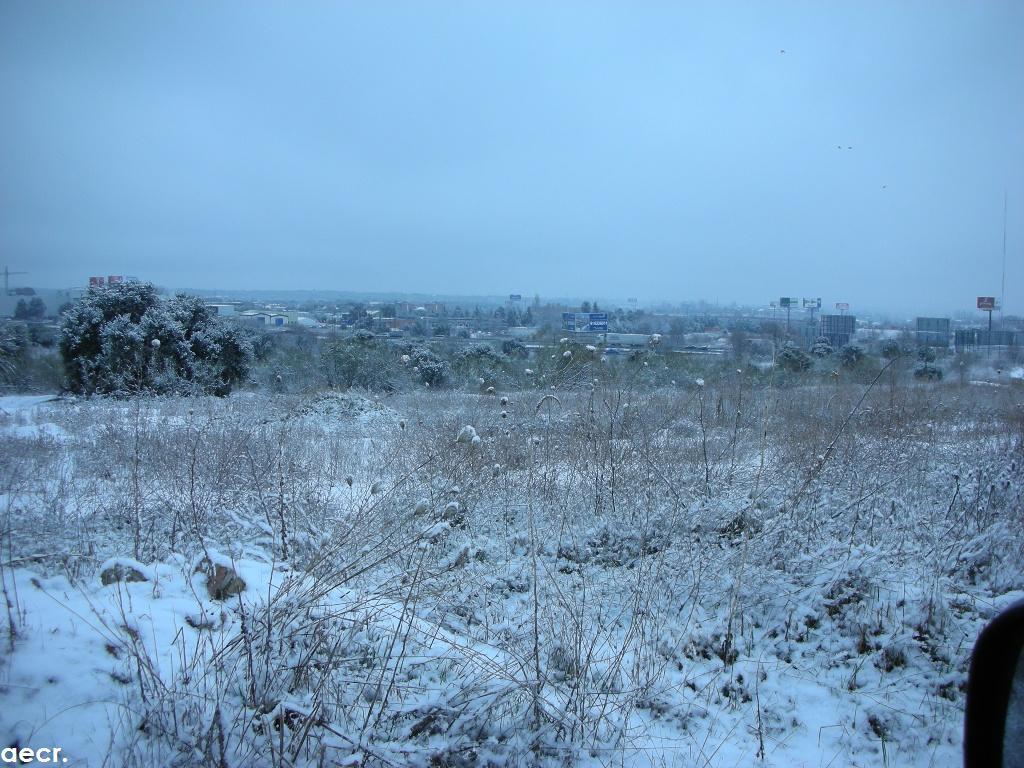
x=96 y=282
x=987 y=302
x=114 y=279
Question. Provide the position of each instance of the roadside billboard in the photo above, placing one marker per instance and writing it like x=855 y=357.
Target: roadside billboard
x=585 y=322
x=987 y=302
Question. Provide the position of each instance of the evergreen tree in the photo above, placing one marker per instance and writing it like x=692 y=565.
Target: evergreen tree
x=122 y=339
x=891 y=349
x=850 y=356
x=793 y=359
x=821 y=347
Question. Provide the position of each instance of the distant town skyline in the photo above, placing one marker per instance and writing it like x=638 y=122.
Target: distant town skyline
x=608 y=302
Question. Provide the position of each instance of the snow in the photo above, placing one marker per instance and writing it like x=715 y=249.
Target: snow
x=14 y=404
x=851 y=612
x=33 y=431
x=129 y=564
x=22 y=416
x=67 y=685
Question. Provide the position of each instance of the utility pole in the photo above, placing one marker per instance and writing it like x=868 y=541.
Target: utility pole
x=989 y=353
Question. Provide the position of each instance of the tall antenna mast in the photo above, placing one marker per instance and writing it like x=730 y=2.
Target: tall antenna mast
x=1002 y=287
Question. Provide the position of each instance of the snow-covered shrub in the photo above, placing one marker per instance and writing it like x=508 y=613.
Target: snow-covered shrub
x=850 y=356
x=793 y=359
x=106 y=344
x=360 y=360
x=14 y=344
x=431 y=369
x=821 y=347
x=610 y=569
x=514 y=349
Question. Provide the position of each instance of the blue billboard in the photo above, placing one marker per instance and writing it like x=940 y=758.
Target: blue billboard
x=585 y=322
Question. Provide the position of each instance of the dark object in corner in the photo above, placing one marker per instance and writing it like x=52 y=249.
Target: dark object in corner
x=994 y=717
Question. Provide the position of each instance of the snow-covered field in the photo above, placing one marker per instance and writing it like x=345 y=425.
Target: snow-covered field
x=702 y=575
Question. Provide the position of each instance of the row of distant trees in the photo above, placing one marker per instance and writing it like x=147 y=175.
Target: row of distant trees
x=850 y=356
x=33 y=309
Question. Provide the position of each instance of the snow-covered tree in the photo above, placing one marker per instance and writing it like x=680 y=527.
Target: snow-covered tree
x=123 y=339
x=891 y=349
x=850 y=355
x=822 y=347
x=794 y=359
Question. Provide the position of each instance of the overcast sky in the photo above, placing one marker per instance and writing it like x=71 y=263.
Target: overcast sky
x=857 y=151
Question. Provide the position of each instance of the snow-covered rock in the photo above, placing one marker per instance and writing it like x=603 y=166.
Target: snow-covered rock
x=222 y=580
x=124 y=569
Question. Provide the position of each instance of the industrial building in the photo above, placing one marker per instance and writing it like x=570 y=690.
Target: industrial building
x=932 y=332
x=838 y=329
x=262 y=319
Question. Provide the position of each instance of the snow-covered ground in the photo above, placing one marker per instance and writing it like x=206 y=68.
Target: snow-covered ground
x=703 y=576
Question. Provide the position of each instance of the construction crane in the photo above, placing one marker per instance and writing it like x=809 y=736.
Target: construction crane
x=7 y=280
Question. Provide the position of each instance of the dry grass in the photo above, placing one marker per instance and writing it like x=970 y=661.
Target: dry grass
x=606 y=560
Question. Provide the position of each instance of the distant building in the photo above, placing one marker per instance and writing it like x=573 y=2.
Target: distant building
x=838 y=329
x=627 y=339
x=410 y=309
x=222 y=310
x=932 y=332
x=400 y=323
x=263 y=319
